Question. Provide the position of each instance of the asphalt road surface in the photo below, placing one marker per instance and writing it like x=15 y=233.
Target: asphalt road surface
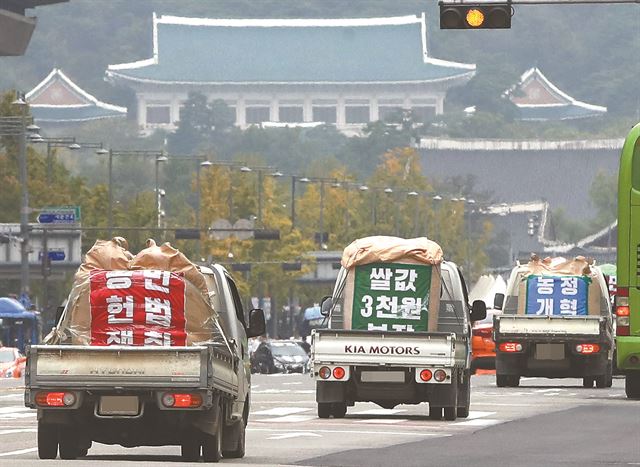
x=543 y=422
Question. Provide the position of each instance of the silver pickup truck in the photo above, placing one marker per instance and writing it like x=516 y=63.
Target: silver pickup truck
x=391 y=367
x=194 y=396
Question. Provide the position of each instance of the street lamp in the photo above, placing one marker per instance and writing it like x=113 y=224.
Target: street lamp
x=158 y=161
x=260 y=171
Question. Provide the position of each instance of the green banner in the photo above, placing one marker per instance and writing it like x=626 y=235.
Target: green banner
x=391 y=297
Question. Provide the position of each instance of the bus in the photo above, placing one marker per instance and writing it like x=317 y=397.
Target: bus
x=18 y=327
x=627 y=298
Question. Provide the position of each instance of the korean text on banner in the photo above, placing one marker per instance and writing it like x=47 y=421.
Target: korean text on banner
x=391 y=297
x=557 y=295
x=143 y=307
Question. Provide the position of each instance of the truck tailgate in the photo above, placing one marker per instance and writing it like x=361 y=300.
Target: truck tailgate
x=392 y=348
x=548 y=325
x=116 y=366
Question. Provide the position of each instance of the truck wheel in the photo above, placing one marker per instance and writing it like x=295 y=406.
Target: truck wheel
x=502 y=381
x=68 y=444
x=435 y=413
x=324 y=409
x=464 y=396
x=587 y=382
x=450 y=413
x=514 y=381
x=632 y=385
x=212 y=444
x=237 y=432
x=47 y=441
x=339 y=409
x=190 y=450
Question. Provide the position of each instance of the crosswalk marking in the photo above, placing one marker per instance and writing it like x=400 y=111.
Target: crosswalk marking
x=380 y=412
x=18 y=452
x=288 y=419
x=13 y=409
x=480 y=422
x=281 y=411
x=382 y=421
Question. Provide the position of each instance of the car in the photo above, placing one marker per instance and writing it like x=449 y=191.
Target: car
x=279 y=357
x=483 y=348
x=11 y=362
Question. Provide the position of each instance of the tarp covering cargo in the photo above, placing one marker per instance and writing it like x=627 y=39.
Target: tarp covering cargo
x=157 y=297
x=392 y=284
x=559 y=287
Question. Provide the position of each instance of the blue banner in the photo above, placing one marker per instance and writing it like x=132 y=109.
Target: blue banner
x=557 y=295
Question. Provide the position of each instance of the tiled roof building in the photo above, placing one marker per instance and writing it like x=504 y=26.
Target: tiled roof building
x=58 y=100
x=537 y=98
x=346 y=72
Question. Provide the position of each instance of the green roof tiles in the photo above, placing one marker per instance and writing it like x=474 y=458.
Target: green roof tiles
x=190 y=50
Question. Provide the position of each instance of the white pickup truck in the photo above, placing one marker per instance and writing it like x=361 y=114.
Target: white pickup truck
x=409 y=365
x=195 y=396
x=555 y=324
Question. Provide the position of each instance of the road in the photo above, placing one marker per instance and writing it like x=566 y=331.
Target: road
x=543 y=422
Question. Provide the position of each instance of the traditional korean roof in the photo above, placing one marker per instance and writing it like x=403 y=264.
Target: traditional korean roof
x=58 y=99
x=537 y=98
x=290 y=51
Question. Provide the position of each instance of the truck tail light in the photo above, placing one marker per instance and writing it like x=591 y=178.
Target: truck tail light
x=324 y=372
x=439 y=375
x=181 y=401
x=510 y=347
x=426 y=375
x=622 y=312
x=55 y=399
x=587 y=349
x=338 y=372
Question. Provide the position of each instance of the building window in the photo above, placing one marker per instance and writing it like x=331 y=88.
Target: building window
x=357 y=111
x=291 y=114
x=257 y=114
x=423 y=113
x=325 y=114
x=158 y=114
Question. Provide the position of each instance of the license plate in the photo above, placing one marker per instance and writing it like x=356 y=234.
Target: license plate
x=549 y=352
x=382 y=376
x=119 y=405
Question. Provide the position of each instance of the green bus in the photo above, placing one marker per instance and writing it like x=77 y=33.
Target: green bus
x=628 y=268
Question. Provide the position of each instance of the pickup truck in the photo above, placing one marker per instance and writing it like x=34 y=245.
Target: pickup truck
x=196 y=396
x=542 y=333
x=392 y=362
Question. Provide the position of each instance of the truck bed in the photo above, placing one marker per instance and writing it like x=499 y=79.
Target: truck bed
x=85 y=367
x=371 y=348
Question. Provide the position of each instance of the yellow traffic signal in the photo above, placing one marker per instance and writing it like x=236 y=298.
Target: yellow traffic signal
x=475 y=15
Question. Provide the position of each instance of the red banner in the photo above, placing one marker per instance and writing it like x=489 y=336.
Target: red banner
x=137 y=308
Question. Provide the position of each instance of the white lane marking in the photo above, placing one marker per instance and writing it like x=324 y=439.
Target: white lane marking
x=478 y=414
x=288 y=419
x=381 y=421
x=273 y=391
x=551 y=394
x=13 y=416
x=22 y=430
x=527 y=378
x=480 y=422
x=295 y=435
x=550 y=390
x=305 y=391
x=281 y=411
x=380 y=412
x=359 y=432
x=16 y=408
x=13 y=396
x=292 y=383
x=18 y=452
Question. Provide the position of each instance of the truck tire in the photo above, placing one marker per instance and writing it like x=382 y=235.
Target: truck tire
x=632 y=385
x=339 y=409
x=69 y=448
x=47 y=441
x=212 y=444
x=450 y=413
x=502 y=381
x=464 y=396
x=603 y=380
x=190 y=450
x=587 y=381
x=435 y=413
x=237 y=433
x=514 y=381
x=324 y=409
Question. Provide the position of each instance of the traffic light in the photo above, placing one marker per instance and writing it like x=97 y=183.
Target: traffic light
x=475 y=15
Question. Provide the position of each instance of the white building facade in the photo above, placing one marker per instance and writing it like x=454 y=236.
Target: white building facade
x=346 y=72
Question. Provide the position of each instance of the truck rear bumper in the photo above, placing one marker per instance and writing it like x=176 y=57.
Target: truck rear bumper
x=572 y=365
x=628 y=350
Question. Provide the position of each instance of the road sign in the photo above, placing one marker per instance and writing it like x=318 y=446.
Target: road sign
x=59 y=215
x=54 y=255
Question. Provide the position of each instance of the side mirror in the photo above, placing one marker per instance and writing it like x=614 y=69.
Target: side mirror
x=498 y=301
x=59 y=311
x=257 y=325
x=326 y=305
x=478 y=310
